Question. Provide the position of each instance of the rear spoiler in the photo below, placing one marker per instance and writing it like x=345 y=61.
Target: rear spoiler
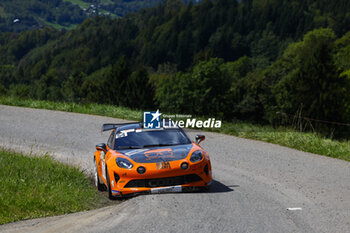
x=111 y=126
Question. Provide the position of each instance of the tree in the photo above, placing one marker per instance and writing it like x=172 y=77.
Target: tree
x=200 y=92
x=139 y=91
x=315 y=83
x=116 y=81
x=71 y=88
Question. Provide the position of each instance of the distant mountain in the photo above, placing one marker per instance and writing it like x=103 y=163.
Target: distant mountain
x=20 y=15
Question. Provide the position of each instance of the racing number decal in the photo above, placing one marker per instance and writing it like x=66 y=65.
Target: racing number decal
x=163 y=165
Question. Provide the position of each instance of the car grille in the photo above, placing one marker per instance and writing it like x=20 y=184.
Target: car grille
x=161 y=182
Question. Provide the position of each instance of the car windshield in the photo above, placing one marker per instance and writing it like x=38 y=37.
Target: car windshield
x=140 y=138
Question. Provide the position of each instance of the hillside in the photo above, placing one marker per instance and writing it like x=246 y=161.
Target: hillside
x=113 y=7
x=20 y=15
x=234 y=60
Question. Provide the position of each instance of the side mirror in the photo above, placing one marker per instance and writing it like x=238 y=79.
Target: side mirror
x=101 y=146
x=199 y=138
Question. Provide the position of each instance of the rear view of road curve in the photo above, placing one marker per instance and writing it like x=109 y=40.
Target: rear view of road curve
x=258 y=187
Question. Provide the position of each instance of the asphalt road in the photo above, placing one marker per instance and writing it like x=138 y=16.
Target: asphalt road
x=255 y=183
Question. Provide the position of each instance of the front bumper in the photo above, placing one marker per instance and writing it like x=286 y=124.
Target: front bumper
x=170 y=189
x=175 y=179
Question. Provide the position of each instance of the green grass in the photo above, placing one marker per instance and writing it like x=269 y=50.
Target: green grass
x=86 y=5
x=309 y=142
x=34 y=187
x=80 y=3
x=83 y=4
x=94 y=109
x=58 y=26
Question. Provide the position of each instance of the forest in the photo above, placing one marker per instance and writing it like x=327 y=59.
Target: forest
x=262 y=61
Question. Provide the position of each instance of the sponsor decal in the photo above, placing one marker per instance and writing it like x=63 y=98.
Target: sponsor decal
x=151 y=120
x=102 y=155
x=115 y=192
x=121 y=134
x=103 y=165
x=171 y=153
x=165 y=154
x=132 y=152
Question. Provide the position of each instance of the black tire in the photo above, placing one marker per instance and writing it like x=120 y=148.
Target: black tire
x=110 y=196
x=98 y=184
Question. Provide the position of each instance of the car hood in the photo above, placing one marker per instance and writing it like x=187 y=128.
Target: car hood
x=159 y=154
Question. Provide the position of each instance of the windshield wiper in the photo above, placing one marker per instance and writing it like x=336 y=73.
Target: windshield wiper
x=153 y=145
x=129 y=147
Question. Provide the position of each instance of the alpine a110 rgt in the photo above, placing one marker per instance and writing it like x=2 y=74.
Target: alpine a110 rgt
x=136 y=160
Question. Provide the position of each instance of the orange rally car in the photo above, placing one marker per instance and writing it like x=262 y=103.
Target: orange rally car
x=137 y=160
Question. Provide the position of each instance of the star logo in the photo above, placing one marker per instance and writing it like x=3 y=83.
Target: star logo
x=151 y=120
x=155 y=115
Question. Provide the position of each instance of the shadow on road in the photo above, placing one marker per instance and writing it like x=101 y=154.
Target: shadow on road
x=218 y=187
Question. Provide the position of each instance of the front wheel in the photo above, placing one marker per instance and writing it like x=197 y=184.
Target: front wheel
x=99 y=186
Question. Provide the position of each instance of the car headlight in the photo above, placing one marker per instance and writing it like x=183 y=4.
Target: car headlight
x=196 y=156
x=124 y=163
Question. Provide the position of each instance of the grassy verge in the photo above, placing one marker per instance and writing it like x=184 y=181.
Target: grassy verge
x=94 y=109
x=309 y=142
x=34 y=187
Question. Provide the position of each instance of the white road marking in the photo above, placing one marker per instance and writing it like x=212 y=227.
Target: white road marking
x=294 y=208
